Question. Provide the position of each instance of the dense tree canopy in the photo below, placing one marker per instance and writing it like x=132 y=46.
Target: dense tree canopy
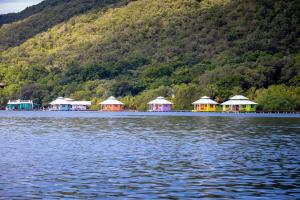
x=181 y=49
x=18 y=27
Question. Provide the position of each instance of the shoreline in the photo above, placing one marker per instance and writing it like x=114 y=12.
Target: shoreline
x=101 y=114
x=172 y=111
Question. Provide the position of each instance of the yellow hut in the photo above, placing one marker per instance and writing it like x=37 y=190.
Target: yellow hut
x=205 y=104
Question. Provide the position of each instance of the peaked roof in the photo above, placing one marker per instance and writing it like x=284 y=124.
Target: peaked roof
x=205 y=100
x=81 y=103
x=61 y=101
x=239 y=97
x=68 y=101
x=238 y=100
x=111 y=101
x=160 y=100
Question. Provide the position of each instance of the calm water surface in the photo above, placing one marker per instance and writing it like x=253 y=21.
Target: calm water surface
x=135 y=156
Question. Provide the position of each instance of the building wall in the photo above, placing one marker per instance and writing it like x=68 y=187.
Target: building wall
x=22 y=106
x=112 y=108
x=79 y=107
x=239 y=108
x=251 y=108
x=160 y=107
x=205 y=108
x=61 y=107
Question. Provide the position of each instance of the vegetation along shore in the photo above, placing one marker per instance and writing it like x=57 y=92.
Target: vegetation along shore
x=138 y=50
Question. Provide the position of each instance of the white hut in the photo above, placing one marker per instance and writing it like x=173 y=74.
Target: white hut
x=112 y=105
x=67 y=104
x=239 y=103
x=205 y=104
x=61 y=104
x=160 y=104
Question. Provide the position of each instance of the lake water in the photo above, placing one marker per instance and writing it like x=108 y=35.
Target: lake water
x=92 y=155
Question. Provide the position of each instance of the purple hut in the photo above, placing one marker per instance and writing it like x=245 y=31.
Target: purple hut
x=160 y=104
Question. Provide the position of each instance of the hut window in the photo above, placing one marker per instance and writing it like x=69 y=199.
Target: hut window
x=211 y=106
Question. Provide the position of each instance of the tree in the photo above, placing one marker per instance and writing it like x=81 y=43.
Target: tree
x=278 y=98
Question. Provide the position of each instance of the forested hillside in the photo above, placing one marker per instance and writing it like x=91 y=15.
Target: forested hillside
x=39 y=18
x=181 y=49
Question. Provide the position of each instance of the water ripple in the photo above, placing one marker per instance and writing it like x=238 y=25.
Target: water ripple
x=149 y=157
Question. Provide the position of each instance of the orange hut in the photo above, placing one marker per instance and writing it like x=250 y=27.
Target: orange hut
x=112 y=105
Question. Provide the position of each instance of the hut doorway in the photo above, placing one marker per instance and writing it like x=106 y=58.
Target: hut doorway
x=236 y=108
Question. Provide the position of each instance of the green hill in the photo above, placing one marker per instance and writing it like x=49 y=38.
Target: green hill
x=18 y=27
x=179 y=48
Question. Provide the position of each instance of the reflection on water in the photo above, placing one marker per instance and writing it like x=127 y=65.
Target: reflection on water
x=149 y=157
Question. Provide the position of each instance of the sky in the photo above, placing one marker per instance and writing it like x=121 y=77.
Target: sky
x=10 y=6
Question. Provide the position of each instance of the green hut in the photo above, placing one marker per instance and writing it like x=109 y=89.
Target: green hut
x=239 y=103
x=20 y=105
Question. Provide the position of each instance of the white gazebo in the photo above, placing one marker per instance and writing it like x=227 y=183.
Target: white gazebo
x=67 y=104
x=205 y=104
x=160 y=104
x=239 y=103
x=112 y=104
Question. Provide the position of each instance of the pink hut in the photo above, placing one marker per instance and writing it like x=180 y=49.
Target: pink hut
x=160 y=104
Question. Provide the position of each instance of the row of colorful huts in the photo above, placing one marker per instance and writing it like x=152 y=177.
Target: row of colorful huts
x=237 y=103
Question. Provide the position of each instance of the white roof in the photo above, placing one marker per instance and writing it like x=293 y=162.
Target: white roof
x=61 y=101
x=81 y=103
x=205 y=100
x=111 y=101
x=15 y=102
x=68 y=101
x=239 y=97
x=239 y=100
x=160 y=100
